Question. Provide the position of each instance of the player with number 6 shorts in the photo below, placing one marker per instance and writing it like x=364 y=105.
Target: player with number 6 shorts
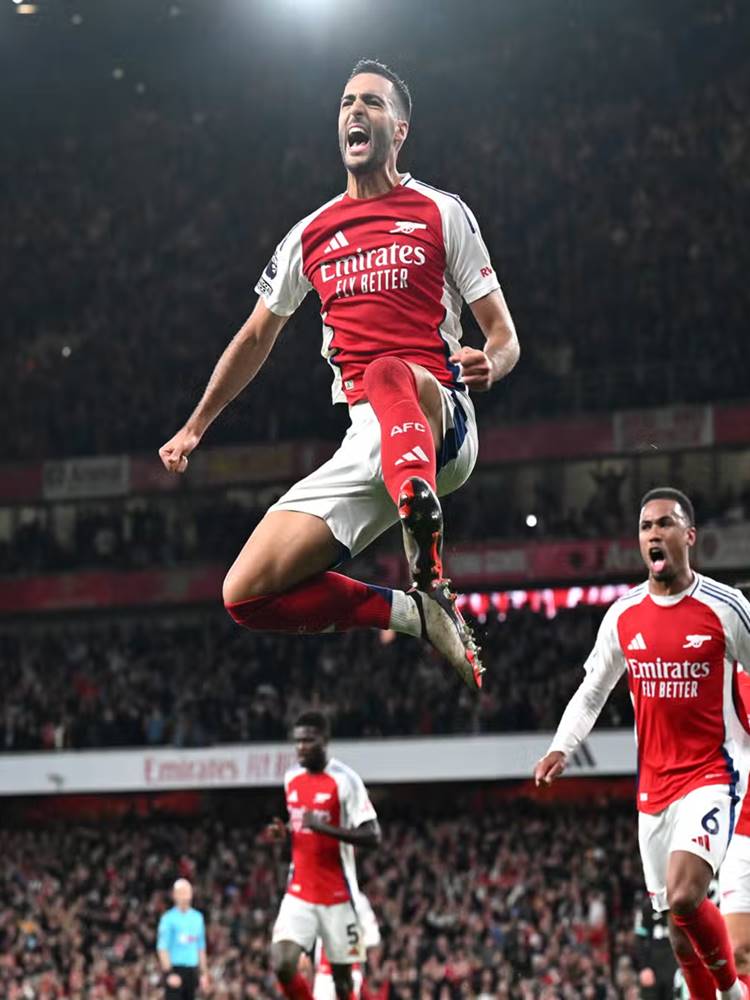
x=679 y=637
x=329 y=814
x=734 y=875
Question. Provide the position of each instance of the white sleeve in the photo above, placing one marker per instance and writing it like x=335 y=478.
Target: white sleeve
x=359 y=809
x=604 y=667
x=283 y=285
x=739 y=634
x=467 y=258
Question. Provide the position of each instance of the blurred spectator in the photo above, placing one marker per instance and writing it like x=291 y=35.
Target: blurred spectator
x=515 y=902
x=610 y=198
x=198 y=680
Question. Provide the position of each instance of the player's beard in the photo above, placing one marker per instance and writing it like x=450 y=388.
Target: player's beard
x=380 y=145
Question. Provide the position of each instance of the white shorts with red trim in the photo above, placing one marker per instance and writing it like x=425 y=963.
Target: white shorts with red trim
x=701 y=822
x=734 y=877
x=348 y=491
x=337 y=927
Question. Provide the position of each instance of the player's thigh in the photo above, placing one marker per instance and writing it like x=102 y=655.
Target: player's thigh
x=295 y=930
x=347 y=492
x=654 y=837
x=734 y=896
x=703 y=825
x=286 y=548
x=341 y=934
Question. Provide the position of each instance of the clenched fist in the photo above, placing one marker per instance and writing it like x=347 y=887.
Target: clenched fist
x=174 y=454
x=476 y=370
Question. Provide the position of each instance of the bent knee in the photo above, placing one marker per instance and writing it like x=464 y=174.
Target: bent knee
x=742 y=957
x=683 y=899
x=284 y=962
x=252 y=581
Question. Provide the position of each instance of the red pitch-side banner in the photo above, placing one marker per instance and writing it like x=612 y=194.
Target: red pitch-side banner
x=482 y=567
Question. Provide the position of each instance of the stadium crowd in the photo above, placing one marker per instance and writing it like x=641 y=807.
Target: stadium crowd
x=208 y=528
x=607 y=193
x=200 y=680
x=515 y=901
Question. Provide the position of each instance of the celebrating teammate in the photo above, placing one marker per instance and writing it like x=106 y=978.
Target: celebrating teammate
x=734 y=875
x=391 y=260
x=679 y=636
x=329 y=814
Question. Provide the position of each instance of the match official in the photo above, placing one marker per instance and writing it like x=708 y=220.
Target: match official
x=181 y=946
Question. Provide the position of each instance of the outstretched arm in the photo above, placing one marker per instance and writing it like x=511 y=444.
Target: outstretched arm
x=238 y=365
x=604 y=668
x=480 y=369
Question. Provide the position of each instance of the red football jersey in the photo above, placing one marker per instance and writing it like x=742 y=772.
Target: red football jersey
x=391 y=273
x=681 y=654
x=323 y=869
x=743 y=691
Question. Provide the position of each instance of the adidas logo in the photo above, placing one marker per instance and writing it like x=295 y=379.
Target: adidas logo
x=703 y=841
x=637 y=642
x=415 y=455
x=293 y=797
x=321 y=797
x=338 y=241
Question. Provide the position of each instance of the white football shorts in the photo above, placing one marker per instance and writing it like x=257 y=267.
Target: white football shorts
x=734 y=876
x=701 y=822
x=337 y=927
x=348 y=491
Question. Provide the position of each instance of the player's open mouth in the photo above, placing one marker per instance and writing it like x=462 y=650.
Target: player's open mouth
x=357 y=139
x=657 y=558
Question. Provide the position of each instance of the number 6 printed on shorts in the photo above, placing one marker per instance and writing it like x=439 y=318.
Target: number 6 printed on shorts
x=710 y=823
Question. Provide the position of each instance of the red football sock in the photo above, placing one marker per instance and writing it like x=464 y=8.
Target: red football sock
x=327 y=602
x=698 y=979
x=406 y=444
x=297 y=988
x=708 y=935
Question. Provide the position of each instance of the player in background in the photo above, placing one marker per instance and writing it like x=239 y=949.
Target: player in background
x=181 y=946
x=734 y=874
x=323 y=985
x=392 y=260
x=330 y=813
x=679 y=636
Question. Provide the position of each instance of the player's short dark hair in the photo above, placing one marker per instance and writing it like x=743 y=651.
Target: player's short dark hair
x=670 y=493
x=314 y=720
x=380 y=69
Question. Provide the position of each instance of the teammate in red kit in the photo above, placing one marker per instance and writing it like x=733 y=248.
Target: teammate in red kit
x=392 y=260
x=330 y=813
x=679 y=636
x=734 y=874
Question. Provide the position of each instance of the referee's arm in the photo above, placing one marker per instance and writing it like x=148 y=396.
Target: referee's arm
x=162 y=946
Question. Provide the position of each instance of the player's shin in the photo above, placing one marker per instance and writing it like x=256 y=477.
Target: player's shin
x=406 y=444
x=707 y=932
